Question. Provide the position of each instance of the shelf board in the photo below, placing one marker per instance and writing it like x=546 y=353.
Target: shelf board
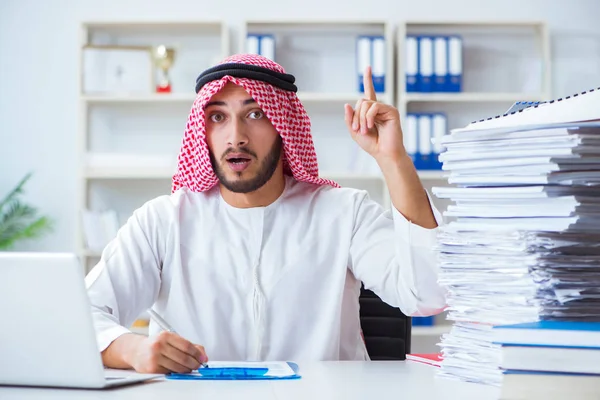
x=287 y=22
x=433 y=174
x=349 y=97
x=152 y=23
x=435 y=330
x=167 y=173
x=423 y=174
x=474 y=23
x=348 y=176
x=87 y=253
x=129 y=173
x=313 y=97
x=140 y=98
x=469 y=97
x=170 y=27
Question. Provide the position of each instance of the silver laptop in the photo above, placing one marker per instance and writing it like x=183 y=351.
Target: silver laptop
x=46 y=333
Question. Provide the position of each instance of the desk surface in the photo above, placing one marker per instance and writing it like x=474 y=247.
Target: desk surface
x=324 y=380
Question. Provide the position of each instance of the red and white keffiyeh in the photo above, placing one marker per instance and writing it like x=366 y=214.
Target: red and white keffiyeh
x=282 y=108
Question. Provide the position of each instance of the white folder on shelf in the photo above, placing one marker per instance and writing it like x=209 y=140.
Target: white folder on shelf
x=425 y=145
x=440 y=60
x=252 y=44
x=455 y=64
x=411 y=63
x=378 y=61
x=363 y=59
x=410 y=136
x=267 y=46
x=426 y=63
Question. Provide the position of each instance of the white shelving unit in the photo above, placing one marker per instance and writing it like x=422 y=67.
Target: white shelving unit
x=129 y=140
x=503 y=62
x=321 y=54
x=186 y=98
x=435 y=330
x=469 y=97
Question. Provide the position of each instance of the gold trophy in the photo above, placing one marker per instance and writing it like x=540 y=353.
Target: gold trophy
x=163 y=58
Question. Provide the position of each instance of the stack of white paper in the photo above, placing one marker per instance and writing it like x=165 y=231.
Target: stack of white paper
x=523 y=243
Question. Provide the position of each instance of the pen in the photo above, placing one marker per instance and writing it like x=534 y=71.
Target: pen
x=164 y=325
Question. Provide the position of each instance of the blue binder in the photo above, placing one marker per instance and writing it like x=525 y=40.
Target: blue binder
x=425 y=154
x=378 y=63
x=440 y=63
x=439 y=127
x=417 y=139
x=455 y=64
x=253 y=43
x=423 y=130
x=423 y=321
x=425 y=83
x=233 y=374
x=263 y=44
x=370 y=51
x=363 y=58
x=411 y=63
x=267 y=46
x=410 y=137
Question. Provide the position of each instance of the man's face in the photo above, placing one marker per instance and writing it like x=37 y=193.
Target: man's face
x=245 y=148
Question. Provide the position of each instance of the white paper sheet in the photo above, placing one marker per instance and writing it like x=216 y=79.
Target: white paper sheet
x=280 y=369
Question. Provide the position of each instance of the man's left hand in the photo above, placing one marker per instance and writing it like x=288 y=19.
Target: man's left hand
x=375 y=126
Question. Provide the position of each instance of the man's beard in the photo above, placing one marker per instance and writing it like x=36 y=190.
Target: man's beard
x=266 y=171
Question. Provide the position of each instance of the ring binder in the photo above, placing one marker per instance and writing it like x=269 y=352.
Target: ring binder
x=576 y=107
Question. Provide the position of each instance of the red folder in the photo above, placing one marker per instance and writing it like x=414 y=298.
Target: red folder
x=434 y=359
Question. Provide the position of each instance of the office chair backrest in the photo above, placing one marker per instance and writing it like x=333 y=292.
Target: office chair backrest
x=386 y=329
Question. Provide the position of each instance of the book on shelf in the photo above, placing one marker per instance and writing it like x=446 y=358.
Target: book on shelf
x=434 y=63
x=261 y=44
x=422 y=139
x=370 y=51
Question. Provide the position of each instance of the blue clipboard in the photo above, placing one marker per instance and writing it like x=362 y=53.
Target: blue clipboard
x=233 y=373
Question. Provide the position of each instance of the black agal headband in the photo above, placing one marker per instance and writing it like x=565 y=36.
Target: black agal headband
x=278 y=79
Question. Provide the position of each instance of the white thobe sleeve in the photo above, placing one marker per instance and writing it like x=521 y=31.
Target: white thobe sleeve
x=396 y=259
x=126 y=280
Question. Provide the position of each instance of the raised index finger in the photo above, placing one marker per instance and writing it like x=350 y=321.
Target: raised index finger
x=368 y=84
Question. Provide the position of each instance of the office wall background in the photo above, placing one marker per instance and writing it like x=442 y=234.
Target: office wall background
x=38 y=70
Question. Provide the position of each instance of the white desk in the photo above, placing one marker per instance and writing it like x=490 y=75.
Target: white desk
x=374 y=380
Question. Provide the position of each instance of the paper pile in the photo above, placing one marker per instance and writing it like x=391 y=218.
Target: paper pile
x=523 y=243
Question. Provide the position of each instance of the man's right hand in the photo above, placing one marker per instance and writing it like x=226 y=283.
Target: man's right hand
x=167 y=352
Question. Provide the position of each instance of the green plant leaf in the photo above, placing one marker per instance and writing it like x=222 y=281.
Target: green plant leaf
x=15 y=192
x=15 y=217
x=19 y=221
x=32 y=230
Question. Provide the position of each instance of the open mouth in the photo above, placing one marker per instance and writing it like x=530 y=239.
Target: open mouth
x=238 y=162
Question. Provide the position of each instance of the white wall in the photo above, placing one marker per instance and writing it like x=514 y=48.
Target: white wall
x=38 y=69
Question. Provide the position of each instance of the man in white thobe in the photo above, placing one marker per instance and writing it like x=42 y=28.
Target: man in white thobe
x=253 y=256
